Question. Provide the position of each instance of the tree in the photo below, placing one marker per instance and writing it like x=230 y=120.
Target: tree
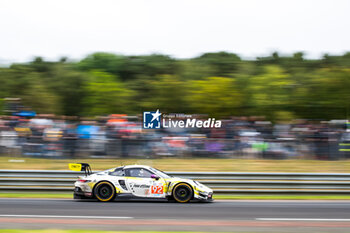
x=167 y=93
x=69 y=86
x=325 y=94
x=106 y=62
x=271 y=91
x=216 y=96
x=23 y=82
x=222 y=63
x=106 y=95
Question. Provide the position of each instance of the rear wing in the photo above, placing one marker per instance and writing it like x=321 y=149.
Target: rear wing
x=81 y=167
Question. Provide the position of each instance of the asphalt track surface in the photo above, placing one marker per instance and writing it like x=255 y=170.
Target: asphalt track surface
x=228 y=216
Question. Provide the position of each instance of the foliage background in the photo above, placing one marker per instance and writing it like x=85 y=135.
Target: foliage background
x=219 y=84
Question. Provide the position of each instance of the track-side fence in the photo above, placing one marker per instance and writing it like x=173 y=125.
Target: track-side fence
x=221 y=182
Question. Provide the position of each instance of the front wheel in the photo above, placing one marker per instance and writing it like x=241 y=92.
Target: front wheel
x=104 y=191
x=182 y=193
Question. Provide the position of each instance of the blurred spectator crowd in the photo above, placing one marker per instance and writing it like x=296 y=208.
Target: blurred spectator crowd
x=122 y=136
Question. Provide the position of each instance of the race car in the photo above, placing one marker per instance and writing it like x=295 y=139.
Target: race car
x=136 y=181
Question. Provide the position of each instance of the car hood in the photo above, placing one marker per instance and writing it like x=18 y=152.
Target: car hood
x=197 y=185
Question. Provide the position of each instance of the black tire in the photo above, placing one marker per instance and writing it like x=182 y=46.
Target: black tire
x=182 y=193
x=104 y=191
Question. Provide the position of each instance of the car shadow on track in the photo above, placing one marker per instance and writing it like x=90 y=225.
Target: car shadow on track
x=143 y=200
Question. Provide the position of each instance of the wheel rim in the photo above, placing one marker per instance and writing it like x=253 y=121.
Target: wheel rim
x=105 y=192
x=183 y=193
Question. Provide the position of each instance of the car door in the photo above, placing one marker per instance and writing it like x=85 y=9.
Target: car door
x=140 y=183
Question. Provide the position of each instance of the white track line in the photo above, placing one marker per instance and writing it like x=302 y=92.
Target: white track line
x=305 y=219
x=64 y=216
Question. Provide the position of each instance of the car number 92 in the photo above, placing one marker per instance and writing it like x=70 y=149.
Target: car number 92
x=157 y=189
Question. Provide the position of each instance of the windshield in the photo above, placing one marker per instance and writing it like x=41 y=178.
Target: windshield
x=160 y=173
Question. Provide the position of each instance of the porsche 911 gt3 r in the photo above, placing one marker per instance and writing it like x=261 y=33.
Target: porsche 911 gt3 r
x=136 y=181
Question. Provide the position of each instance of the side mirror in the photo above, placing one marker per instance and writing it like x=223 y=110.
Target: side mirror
x=153 y=176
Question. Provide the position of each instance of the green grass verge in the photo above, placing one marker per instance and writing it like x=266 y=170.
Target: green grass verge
x=182 y=164
x=216 y=197
x=36 y=195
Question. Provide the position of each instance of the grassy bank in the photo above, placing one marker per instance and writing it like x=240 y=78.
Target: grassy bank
x=170 y=164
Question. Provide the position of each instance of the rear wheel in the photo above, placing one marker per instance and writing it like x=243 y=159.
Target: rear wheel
x=182 y=193
x=104 y=191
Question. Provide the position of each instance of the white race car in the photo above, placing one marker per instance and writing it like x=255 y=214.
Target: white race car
x=136 y=181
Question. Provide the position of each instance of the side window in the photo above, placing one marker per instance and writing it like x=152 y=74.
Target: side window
x=118 y=172
x=139 y=172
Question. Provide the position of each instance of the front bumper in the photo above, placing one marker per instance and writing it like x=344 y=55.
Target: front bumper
x=205 y=196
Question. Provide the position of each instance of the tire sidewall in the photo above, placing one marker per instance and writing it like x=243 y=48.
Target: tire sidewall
x=101 y=184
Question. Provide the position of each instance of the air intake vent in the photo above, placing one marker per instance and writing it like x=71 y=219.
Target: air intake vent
x=122 y=184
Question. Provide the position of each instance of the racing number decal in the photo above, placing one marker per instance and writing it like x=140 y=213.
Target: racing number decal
x=157 y=189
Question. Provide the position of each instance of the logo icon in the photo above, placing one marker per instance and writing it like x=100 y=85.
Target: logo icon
x=151 y=120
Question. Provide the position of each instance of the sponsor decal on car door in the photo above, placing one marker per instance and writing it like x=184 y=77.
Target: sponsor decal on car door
x=144 y=186
x=139 y=186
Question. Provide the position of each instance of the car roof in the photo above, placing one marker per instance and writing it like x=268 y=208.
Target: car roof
x=135 y=166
